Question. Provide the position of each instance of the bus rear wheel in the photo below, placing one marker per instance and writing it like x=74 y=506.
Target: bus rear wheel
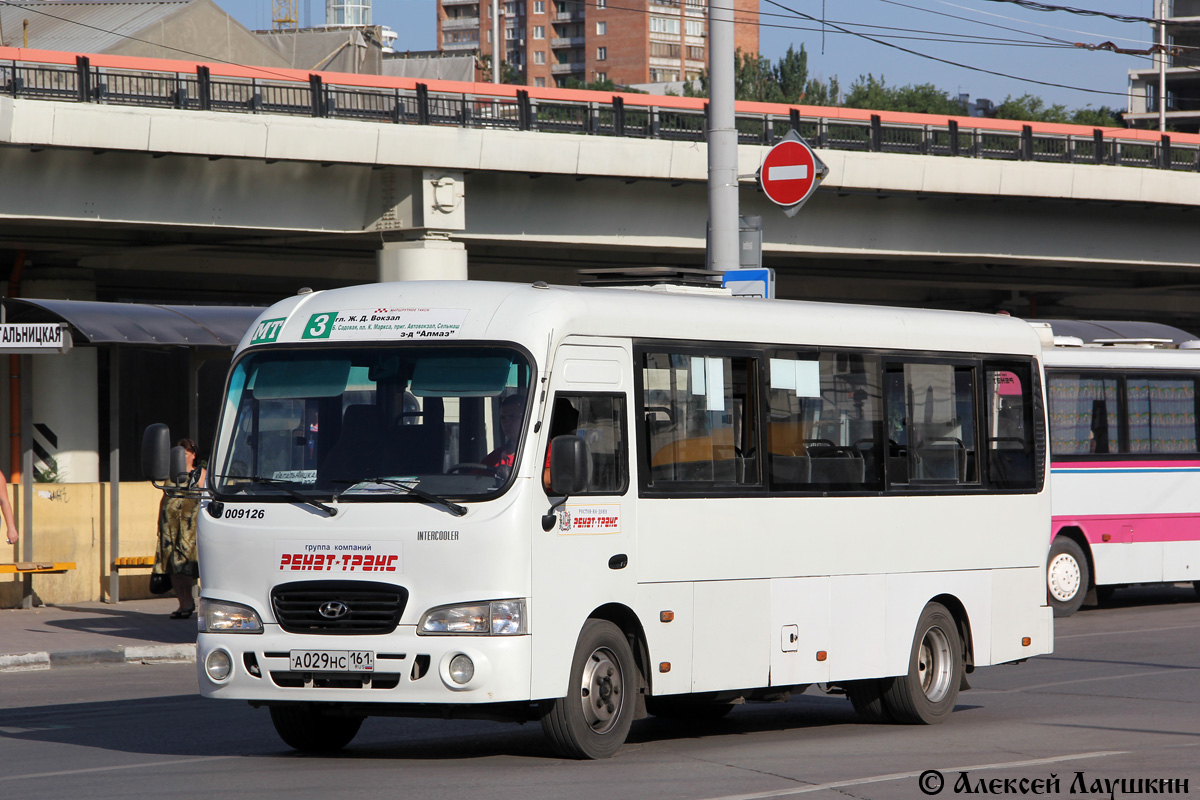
x=593 y=720
x=927 y=693
x=310 y=730
x=1067 y=576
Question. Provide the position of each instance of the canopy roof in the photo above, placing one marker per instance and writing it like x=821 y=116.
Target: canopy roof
x=99 y=323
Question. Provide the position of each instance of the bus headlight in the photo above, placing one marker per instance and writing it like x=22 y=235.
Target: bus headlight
x=497 y=618
x=219 y=617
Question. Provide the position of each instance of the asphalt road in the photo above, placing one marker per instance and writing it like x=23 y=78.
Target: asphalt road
x=1119 y=699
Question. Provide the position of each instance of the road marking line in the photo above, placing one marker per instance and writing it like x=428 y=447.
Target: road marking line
x=1058 y=637
x=143 y=765
x=1170 y=671
x=901 y=775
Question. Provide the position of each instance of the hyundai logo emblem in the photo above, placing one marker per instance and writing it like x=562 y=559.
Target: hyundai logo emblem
x=334 y=609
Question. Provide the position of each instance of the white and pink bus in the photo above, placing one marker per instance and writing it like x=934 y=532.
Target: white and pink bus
x=1125 y=460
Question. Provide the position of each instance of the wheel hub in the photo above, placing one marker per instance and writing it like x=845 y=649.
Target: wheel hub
x=601 y=690
x=1063 y=577
x=934 y=667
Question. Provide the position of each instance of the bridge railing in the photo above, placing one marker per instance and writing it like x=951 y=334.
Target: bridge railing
x=409 y=102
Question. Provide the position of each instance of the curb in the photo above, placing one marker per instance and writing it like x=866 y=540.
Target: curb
x=143 y=654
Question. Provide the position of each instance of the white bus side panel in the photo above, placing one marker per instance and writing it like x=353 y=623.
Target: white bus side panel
x=668 y=642
x=1012 y=622
x=1181 y=561
x=1129 y=562
x=733 y=638
x=800 y=609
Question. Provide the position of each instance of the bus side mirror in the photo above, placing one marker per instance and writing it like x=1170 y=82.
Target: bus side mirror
x=179 y=470
x=156 y=446
x=570 y=465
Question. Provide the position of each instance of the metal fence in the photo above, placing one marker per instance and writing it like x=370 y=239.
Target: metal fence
x=203 y=91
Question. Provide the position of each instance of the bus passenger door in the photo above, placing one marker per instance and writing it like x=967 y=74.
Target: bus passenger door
x=585 y=559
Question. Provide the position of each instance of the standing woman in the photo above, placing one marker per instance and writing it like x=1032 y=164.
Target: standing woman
x=176 y=556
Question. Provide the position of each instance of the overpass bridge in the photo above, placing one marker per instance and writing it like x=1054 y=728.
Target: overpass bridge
x=177 y=181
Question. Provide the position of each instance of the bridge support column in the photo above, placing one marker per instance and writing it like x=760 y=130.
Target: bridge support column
x=425 y=259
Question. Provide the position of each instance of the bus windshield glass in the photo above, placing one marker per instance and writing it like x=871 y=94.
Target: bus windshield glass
x=372 y=423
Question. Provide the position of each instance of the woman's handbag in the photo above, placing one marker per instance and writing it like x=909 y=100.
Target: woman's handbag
x=160 y=583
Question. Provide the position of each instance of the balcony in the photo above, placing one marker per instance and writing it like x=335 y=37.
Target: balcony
x=448 y=3
x=564 y=69
x=569 y=16
x=568 y=41
x=459 y=23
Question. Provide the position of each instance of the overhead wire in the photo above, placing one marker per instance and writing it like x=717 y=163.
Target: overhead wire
x=947 y=61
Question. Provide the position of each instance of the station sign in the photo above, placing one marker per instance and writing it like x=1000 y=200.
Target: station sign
x=33 y=338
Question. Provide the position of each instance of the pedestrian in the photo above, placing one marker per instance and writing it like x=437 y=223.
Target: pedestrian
x=176 y=556
x=10 y=527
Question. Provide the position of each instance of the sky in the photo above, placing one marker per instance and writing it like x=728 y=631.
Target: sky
x=981 y=38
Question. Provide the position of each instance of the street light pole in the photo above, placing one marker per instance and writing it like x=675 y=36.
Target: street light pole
x=1162 y=66
x=722 y=140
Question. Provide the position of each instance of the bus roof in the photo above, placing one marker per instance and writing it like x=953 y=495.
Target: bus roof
x=528 y=313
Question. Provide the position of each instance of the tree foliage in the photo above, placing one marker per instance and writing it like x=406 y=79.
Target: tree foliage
x=871 y=93
x=784 y=81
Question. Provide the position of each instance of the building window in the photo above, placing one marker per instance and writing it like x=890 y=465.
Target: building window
x=539 y=6
x=539 y=82
x=539 y=32
x=664 y=25
x=601 y=28
x=695 y=53
x=601 y=77
x=601 y=3
x=694 y=27
x=539 y=57
x=601 y=53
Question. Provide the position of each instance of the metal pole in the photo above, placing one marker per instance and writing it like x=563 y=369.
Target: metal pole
x=114 y=472
x=27 y=475
x=495 y=41
x=1162 y=66
x=722 y=140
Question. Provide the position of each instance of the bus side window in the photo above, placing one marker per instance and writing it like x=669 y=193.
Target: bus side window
x=598 y=419
x=1083 y=414
x=824 y=421
x=700 y=419
x=1011 y=431
x=932 y=424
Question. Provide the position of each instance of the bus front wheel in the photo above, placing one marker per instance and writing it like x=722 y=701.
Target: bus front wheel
x=593 y=720
x=1067 y=576
x=309 y=730
x=927 y=693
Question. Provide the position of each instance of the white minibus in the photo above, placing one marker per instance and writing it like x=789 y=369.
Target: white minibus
x=581 y=505
x=1125 y=466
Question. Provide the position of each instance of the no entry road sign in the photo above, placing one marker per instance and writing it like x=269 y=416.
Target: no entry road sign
x=791 y=171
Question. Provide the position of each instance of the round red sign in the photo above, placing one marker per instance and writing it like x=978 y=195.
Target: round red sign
x=789 y=173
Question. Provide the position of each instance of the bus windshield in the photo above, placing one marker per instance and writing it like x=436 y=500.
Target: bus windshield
x=372 y=423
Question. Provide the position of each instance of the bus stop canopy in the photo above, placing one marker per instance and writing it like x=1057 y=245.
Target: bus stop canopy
x=99 y=323
x=114 y=326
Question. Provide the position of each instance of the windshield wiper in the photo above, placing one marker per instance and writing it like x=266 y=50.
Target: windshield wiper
x=288 y=490
x=409 y=488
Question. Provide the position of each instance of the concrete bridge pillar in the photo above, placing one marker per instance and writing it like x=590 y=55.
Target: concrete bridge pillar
x=430 y=258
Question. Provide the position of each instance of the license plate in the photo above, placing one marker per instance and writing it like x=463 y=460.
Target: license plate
x=332 y=660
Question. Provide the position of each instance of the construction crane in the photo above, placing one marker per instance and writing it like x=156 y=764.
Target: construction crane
x=284 y=15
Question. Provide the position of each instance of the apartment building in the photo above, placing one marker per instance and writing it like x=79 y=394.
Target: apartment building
x=1180 y=73
x=549 y=42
